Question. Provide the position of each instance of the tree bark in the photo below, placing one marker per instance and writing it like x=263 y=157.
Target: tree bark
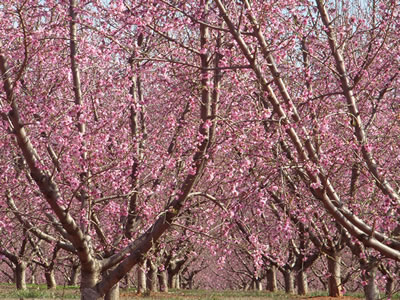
x=151 y=276
x=173 y=281
x=73 y=279
x=302 y=284
x=289 y=281
x=370 y=290
x=113 y=293
x=141 y=278
x=271 y=279
x=335 y=288
x=163 y=281
x=20 y=275
x=256 y=284
x=50 y=279
x=89 y=279
x=389 y=287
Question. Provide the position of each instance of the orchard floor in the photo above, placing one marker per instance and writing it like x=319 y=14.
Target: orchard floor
x=8 y=292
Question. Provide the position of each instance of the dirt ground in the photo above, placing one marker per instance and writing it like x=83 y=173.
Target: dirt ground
x=330 y=298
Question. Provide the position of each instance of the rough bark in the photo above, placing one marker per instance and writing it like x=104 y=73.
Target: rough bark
x=151 y=276
x=113 y=293
x=371 y=290
x=73 y=278
x=141 y=273
x=89 y=279
x=289 y=281
x=389 y=287
x=163 y=281
x=20 y=275
x=173 y=269
x=258 y=284
x=335 y=288
x=50 y=279
x=302 y=283
x=271 y=279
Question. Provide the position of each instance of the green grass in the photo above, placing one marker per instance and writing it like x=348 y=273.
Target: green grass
x=35 y=291
x=38 y=291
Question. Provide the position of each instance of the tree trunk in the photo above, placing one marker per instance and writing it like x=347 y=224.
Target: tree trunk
x=256 y=284
x=271 y=279
x=174 y=273
x=191 y=282
x=73 y=279
x=289 y=281
x=89 y=280
x=141 y=277
x=50 y=279
x=113 y=293
x=389 y=287
x=173 y=281
x=20 y=275
x=302 y=284
x=163 y=281
x=371 y=290
x=178 y=281
x=335 y=288
x=151 y=276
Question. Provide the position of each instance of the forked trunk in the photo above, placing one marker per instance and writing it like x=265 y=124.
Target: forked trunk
x=335 y=288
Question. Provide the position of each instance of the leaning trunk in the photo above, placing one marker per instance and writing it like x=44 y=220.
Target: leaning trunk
x=113 y=293
x=335 y=288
